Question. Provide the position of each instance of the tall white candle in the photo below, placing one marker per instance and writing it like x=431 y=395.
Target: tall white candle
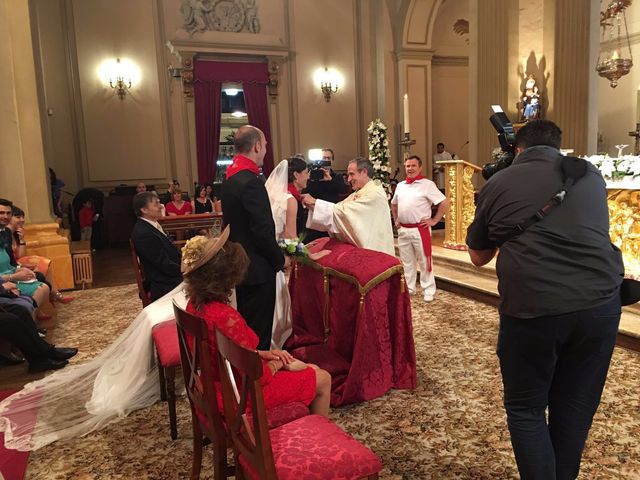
x=638 y=106
x=406 y=113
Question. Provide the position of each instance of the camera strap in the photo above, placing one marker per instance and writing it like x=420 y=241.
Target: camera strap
x=573 y=169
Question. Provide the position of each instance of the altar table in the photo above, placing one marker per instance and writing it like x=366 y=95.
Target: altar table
x=351 y=315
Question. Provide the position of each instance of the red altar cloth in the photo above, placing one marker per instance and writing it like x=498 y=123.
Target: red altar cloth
x=351 y=315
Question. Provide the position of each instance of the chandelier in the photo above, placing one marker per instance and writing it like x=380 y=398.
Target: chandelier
x=613 y=63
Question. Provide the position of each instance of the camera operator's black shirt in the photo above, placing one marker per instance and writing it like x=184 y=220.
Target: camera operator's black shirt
x=563 y=263
x=327 y=190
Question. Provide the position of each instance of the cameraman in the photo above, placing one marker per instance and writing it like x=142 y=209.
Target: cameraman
x=330 y=187
x=559 y=283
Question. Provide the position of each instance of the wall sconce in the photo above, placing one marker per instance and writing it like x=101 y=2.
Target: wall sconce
x=329 y=81
x=120 y=75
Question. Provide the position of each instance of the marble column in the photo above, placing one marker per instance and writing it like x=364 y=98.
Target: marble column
x=573 y=92
x=24 y=176
x=493 y=42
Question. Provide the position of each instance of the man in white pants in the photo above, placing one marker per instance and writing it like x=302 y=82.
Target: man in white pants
x=411 y=208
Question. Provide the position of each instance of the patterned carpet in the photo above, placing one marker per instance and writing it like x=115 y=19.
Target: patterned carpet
x=451 y=427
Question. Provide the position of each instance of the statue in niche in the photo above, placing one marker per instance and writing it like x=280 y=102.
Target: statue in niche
x=530 y=100
x=220 y=16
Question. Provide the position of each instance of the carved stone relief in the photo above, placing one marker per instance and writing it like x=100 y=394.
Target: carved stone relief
x=220 y=16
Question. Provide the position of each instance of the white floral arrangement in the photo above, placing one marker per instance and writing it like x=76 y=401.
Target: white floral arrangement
x=616 y=168
x=379 y=154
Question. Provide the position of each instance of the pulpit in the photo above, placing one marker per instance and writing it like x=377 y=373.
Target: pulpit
x=459 y=190
x=351 y=315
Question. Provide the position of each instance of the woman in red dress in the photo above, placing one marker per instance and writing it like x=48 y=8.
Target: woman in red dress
x=177 y=206
x=212 y=267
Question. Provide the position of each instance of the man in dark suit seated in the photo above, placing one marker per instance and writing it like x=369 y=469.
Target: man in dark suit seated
x=159 y=257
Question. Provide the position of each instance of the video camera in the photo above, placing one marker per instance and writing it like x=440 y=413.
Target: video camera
x=507 y=139
x=316 y=167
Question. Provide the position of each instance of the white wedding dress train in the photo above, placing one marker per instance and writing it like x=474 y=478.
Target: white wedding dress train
x=82 y=398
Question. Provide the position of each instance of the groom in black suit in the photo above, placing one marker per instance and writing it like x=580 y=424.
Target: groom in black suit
x=160 y=258
x=246 y=208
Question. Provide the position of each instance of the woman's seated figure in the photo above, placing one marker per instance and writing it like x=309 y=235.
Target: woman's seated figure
x=177 y=206
x=24 y=279
x=40 y=265
x=212 y=267
x=201 y=203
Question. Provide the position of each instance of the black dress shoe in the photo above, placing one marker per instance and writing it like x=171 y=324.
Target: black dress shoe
x=44 y=364
x=11 y=359
x=62 y=353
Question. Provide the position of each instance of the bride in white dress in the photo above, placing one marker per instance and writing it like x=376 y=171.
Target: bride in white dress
x=284 y=208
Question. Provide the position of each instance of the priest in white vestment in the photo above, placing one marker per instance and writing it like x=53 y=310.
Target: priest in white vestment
x=362 y=219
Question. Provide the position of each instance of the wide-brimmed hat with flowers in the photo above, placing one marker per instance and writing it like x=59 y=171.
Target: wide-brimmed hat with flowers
x=200 y=249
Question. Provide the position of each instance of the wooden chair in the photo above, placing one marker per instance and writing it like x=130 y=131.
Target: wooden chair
x=165 y=341
x=138 y=270
x=322 y=450
x=208 y=426
x=200 y=384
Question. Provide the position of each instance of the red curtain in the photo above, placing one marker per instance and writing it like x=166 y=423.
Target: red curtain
x=208 y=79
x=255 y=99
x=208 y=116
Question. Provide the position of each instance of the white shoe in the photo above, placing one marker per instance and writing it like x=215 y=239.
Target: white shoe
x=428 y=298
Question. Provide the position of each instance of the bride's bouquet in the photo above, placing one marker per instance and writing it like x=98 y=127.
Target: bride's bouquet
x=293 y=247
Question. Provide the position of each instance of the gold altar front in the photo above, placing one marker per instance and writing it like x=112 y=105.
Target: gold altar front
x=624 y=227
x=460 y=192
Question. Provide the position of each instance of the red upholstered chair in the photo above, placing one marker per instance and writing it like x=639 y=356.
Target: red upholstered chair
x=165 y=340
x=311 y=447
x=206 y=415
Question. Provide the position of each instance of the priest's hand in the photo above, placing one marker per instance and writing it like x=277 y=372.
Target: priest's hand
x=308 y=200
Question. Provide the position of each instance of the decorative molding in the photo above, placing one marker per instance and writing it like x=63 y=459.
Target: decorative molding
x=187 y=75
x=274 y=75
x=414 y=54
x=220 y=16
x=450 y=60
x=229 y=48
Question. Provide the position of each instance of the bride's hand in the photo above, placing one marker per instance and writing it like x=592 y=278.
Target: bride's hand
x=319 y=255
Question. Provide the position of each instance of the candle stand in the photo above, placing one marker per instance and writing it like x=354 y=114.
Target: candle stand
x=406 y=143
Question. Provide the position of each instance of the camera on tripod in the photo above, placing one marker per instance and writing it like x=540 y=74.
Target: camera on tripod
x=507 y=139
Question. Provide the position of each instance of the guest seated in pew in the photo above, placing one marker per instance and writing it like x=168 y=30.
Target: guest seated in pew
x=40 y=265
x=16 y=327
x=159 y=257
x=177 y=206
x=212 y=267
x=10 y=271
x=201 y=203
